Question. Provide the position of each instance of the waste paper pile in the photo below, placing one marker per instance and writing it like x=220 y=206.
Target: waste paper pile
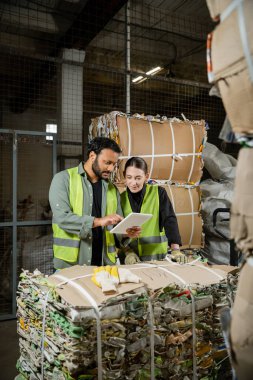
x=164 y=326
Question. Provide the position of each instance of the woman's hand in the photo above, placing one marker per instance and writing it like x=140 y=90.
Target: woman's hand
x=131 y=258
x=178 y=256
x=133 y=232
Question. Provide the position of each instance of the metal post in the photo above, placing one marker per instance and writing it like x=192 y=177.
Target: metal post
x=128 y=62
x=54 y=155
x=14 y=221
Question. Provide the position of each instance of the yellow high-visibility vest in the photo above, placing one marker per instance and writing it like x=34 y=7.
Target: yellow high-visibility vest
x=152 y=243
x=66 y=245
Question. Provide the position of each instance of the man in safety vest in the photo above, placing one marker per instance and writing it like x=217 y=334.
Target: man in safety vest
x=85 y=205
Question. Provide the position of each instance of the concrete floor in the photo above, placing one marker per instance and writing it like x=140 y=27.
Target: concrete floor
x=9 y=350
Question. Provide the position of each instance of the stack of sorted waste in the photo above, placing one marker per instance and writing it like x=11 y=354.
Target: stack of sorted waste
x=233 y=71
x=163 y=327
x=230 y=64
x=73 y=326
x=241 y=225
x=217 y=193
x=172 y=149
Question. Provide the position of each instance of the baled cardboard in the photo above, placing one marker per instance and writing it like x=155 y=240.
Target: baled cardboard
x=241 y=221
x=157 y=141
x=216 y=7
x=242 y=324
x=230 y=67
x=242 y=199
x=187 y=203
x=237 y=97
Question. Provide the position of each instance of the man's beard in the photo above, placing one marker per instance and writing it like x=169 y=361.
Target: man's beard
x=99 y=173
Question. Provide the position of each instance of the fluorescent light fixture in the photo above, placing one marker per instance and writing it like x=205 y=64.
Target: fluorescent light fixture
x=137 y=79
x=153 y=71
x=51 y=128
x=142 y=80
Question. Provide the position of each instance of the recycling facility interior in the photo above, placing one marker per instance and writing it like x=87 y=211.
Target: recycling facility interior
x=64 y=62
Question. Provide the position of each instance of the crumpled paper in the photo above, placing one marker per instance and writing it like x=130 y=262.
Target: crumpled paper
x=70 y=339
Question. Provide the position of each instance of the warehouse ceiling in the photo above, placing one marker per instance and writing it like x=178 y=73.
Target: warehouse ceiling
x=166 y=33
x=163 y=33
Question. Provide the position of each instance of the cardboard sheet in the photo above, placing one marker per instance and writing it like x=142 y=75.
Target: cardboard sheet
x=74 y=291
x=151 y=276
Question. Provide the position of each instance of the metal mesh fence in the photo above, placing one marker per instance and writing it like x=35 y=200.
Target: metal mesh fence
x=63 y=63
x=25 y=225
x=6 y=191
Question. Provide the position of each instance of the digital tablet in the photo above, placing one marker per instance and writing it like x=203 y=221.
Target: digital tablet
x=134 y=219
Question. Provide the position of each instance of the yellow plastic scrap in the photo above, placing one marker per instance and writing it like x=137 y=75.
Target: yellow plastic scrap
x=22 y=324
x=203 y=349
x=21 y=303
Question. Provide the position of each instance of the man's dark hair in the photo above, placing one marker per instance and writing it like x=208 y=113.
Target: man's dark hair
x=99 y=143
x=138 y=163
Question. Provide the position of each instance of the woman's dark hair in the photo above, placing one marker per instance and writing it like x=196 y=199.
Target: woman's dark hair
x=99 y=143
x=136 y=162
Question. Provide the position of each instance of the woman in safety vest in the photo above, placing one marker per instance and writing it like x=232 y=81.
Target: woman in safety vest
x=161 y=230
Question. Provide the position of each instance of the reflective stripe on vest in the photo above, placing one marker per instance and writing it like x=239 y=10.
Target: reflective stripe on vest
x=66 y=245
x=152 y=243
x=111 y=208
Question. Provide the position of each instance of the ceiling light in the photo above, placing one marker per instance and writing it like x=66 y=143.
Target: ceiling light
x=142 y=80
x=137 y=79
x=154 y=71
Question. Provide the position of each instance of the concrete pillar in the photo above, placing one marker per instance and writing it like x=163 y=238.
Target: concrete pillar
x=71 y=87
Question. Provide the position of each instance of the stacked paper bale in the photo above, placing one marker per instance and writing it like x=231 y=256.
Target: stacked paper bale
x=230 y=65
x=241 y=226
x=188 y=337
x=170 y=333
x=70 y=330
x=173 y=151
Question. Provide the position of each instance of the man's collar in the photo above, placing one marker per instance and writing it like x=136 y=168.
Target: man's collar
x=82 y=172
x=81 y=169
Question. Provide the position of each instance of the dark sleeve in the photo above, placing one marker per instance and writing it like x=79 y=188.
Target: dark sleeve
x=167 y=218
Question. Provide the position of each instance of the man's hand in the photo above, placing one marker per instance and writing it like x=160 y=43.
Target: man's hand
x=179 y=257
x=107 y=220
x=133 y=232
x=131 y=258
